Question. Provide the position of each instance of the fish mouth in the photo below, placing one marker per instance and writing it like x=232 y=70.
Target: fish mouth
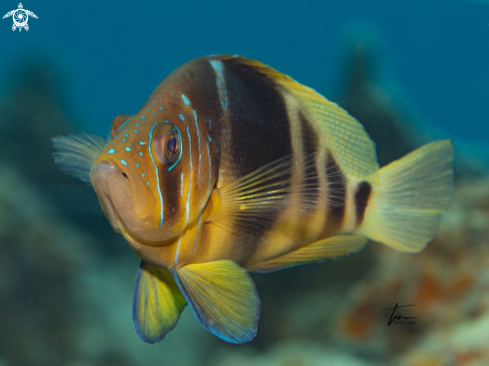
x=125 y=199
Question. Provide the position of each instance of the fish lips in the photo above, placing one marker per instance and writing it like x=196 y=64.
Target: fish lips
x=122 y=195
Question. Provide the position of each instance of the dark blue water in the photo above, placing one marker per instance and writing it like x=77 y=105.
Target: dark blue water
x=112 y=54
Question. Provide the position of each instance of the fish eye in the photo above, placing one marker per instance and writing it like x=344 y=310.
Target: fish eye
x=171 y=147
x=167 y=145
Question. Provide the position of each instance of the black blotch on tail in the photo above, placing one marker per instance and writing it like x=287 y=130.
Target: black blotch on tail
x=337 y=192
x=361 y=200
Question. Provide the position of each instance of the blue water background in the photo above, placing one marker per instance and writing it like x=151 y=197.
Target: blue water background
x=112 y=54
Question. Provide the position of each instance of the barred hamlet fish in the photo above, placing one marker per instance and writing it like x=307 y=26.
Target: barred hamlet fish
x=232 y=167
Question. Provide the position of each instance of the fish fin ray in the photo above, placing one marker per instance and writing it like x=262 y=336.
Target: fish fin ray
x=157 y=303
x=255 y=199
x=76 y=153
x=318 y=251
x=346 y=138
x=223 y=298
x=406 y=205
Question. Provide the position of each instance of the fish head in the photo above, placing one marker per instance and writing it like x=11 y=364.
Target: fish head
x=138 y=181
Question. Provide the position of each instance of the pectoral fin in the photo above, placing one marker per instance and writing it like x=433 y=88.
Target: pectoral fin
x=157 y=303
x=75 y=154
x=257 y=198
x=223 y=298
x=333 y=247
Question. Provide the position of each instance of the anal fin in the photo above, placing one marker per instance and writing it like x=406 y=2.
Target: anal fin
x=223 y=298
x=333 y=247
x=157 y=303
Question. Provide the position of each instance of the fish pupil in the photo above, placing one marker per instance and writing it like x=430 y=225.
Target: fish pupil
x=171 y=145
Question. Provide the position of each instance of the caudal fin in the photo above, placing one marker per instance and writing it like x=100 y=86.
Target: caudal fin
x=405 y=207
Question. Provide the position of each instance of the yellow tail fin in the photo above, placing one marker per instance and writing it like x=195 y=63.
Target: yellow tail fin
x=405 y=208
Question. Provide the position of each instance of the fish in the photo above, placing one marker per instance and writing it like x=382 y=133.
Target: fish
x=232 y=167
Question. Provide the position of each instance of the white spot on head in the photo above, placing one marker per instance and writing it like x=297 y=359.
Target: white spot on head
x=185 y=100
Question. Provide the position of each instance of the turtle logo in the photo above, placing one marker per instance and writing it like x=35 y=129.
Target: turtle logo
x=20 y=17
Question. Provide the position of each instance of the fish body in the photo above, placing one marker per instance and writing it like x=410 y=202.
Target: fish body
x=233 y=167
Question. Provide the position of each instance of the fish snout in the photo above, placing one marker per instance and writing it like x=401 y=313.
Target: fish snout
x=122 y=194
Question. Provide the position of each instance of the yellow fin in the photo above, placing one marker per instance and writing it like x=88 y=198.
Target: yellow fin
x=223 y=298
x=405 y=207
x=157 y=303
x=318 y=251
x=258 y=197
x=75 y=154
x=346 y=138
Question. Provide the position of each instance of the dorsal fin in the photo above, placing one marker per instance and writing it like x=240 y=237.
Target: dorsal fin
x=346 y=138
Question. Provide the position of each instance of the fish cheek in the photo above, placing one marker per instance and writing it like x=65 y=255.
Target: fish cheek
x=173 y=196
x=145 y=201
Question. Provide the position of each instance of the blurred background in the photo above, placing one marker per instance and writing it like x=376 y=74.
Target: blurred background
x=412 y=71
